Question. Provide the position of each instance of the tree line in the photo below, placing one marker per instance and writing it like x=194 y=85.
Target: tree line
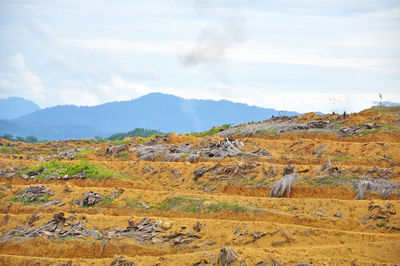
x=138 y=132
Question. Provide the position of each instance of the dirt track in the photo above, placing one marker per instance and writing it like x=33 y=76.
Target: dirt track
x=320 y=223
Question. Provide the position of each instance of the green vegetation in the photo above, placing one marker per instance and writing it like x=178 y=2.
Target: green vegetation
x=106 y=200
x=212 y=131
x=82 y=153
x=123 y=155
x=30 y=139
x=24 y=201
x=10 y=150
x=226 y=206
x=385 y=109
x=188 y=204
x=150 y=138
x=385 y=128
x=381 y=224
x=185 y=155
x=270 y=131
x=61 y=169
x=138 y=132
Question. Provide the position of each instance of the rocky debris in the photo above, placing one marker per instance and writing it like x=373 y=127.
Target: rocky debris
x=178 y=238
x=53 y=202
x=319 y=123
x=377 y=172
x=54 y=228
x=319 y=150
x=228 y=256
x=33 y=193
x=347 y=131
x=197 y=228
x=380 y=212
x=200 y=172
x=10 y=172
x=142 y=232
x=225 y=148
x=121 y=261
x=159 y=139
x=66 y=155
x=33 y=218
x=328 y=169
x=89 y=199
x=283 y=185
x=289 y=169
x=257 y=153
x=175 y=172
x=115 y=150
x=384 y=187
x=282 y=118
x=226 y=172
x=116 y=193
x=338 y=214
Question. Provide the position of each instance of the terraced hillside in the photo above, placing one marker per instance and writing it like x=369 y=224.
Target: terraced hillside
x=321 y=190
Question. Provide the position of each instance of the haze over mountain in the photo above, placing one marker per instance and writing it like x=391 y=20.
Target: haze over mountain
x=164 y=112
x=14 y=107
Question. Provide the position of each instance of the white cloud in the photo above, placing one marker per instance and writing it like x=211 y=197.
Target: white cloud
x=18 y=80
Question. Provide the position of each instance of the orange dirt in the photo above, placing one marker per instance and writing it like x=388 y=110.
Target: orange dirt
x=319 y=223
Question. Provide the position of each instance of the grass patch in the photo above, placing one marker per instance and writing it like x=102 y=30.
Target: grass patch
x=123 y=155
x=145 y=140
x=184 y=155
x=106 y=200
x=84 y=152
x=385 y=128
x=212 y=131
x=120 y=142
x=61 y=169
x=137 y=203
x=10 y=150
x=385 y=109
x=45 y=198
x=189 y=204
x=270 y=131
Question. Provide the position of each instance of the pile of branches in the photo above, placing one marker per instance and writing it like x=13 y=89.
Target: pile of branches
x=33 y=193
x=116 y=149
x=384 y=187
x=143 y=231
x=54 y=228
x=347 y=131
x=89 y=199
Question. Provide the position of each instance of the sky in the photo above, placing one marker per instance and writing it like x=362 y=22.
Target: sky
x=300 y=55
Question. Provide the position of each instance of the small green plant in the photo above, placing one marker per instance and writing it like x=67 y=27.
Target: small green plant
x=225 y=206
x=123 y=155
x=212 y=131
x=24 y=201
x=106 y=200
x=381 y=224
x=10 y=150
x=84 y=152
x=60 y=169
x=184 y=155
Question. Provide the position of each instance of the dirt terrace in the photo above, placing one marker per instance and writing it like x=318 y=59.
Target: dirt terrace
x=202 y=202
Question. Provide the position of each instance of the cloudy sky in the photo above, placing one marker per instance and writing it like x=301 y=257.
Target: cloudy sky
x=302 y=55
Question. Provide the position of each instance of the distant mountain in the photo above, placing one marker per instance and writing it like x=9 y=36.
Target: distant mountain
x=163 y=112
x=14 y=107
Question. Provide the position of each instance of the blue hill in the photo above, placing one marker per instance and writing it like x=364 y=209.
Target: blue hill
x=14 y=107
x=164 y=112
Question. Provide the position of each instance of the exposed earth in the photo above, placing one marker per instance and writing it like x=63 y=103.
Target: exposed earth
x=320 y=190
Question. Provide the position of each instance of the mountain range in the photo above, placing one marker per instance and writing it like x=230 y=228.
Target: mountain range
x=164 y=112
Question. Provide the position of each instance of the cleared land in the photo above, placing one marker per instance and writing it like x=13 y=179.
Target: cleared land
x=205 y=195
